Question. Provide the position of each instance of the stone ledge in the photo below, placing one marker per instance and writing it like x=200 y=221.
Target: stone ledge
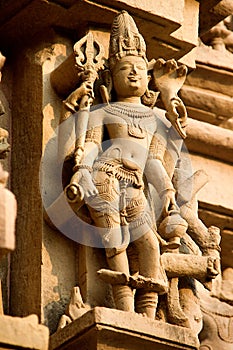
x=23 y=333
x=206 y=139
x=103 y=328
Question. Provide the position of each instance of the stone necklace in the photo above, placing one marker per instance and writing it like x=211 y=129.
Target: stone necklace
x=132 y=116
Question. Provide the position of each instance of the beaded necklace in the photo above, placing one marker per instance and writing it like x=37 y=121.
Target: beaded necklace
x=132 y=115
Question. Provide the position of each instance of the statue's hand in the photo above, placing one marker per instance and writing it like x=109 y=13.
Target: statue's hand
x=73 y=100
x=169 y=202
x=87 y=184
x=81 y=186
x=169 y=77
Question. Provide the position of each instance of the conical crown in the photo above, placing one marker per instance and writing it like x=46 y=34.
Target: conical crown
x=125 y=39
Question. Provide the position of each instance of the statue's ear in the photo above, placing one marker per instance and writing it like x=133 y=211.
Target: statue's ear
x=106 y=87
x=107 y=78
x=149 y=78
x=149 y=98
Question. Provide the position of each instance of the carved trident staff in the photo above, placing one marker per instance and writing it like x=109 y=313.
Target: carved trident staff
x=89 y=57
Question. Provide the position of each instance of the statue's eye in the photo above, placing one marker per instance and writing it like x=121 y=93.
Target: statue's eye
x=126 y=66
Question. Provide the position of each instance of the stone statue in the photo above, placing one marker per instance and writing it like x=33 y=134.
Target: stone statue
x=220 y=37
x=138 y=193
x=217 y=309
x=4 y=145
x=7 y=199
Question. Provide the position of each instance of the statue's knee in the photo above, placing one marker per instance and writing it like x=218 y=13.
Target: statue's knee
x=149 y=242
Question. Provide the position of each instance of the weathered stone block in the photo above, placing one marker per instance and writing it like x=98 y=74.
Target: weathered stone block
x=107 y=329
x=23 y=333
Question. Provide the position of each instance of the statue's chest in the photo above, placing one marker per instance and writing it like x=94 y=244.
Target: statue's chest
x=130 y=125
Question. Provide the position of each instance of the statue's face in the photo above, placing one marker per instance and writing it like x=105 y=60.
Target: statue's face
x=130 y=77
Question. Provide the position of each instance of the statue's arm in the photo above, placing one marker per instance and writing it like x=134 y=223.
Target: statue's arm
x=81 y=182
x=157 y=176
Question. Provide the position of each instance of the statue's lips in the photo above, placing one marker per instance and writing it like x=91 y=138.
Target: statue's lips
x=134 y=79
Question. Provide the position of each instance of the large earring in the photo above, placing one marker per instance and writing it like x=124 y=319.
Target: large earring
x=106 y=87
x=149 y=98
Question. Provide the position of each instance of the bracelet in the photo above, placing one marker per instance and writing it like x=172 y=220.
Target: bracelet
x=82 y=166
x=69 y=107
x=162 y=193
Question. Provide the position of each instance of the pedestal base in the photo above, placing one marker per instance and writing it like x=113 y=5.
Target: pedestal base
x=108 y=329
x=23 y=333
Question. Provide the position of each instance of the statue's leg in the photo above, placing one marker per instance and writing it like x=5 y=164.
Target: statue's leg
x=149 y=266
x=104 y=210
x=145 y=242
x=123 y=295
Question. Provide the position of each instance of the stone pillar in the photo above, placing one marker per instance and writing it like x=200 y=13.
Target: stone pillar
x=43 y=264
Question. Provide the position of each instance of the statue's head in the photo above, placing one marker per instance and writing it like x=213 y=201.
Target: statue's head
x=125 y=40
x=127 y=57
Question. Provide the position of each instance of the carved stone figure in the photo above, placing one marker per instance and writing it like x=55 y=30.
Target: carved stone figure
x=2 y=61
x=220 y=37
x=4 y=145
x=139 y=194
x=75 y=308
x=217 y=309
x=8 y=216
x=7 y=199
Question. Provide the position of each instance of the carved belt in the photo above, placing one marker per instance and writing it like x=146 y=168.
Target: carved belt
x=120 y=172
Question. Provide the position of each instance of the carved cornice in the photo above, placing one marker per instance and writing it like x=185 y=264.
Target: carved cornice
x=213 y=12
x=210 y=140
x=166 y=28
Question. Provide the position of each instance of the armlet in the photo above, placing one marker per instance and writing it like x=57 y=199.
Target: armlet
x=94 y=135
x=157 y=149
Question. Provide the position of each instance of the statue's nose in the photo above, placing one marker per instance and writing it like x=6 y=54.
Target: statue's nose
x=134 y=69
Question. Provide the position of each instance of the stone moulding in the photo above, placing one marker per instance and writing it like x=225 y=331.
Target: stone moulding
x=216 y=142
x=23 y=333
x=103 y=328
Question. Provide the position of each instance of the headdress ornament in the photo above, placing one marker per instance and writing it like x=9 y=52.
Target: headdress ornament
x=125 y=39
